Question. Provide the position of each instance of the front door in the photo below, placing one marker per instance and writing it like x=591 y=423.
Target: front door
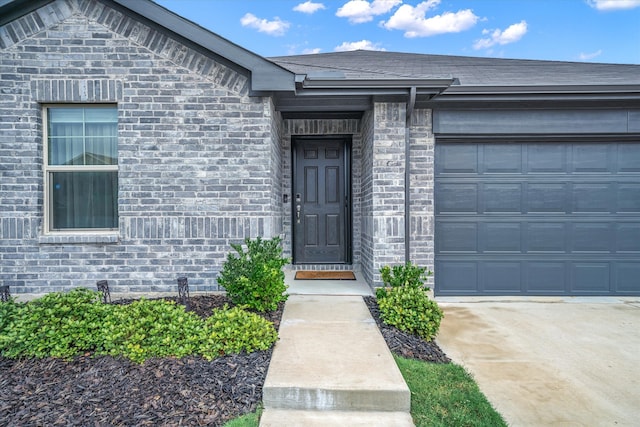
x=321 y=200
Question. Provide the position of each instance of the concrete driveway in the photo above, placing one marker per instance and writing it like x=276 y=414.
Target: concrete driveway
x=550 y=362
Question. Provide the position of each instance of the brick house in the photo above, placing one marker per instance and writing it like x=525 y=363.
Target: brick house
x=135 y=146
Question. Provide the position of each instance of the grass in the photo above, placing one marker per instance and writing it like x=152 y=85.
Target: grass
x=441 y=395
x=446 y=395
x=247 y=420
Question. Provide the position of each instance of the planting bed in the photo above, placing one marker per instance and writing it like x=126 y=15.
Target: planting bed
x=107 y=391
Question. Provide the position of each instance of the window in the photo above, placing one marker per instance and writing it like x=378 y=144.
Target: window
x=81 y=168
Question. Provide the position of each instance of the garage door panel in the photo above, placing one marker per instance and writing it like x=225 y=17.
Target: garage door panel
x=592 y=158
x=546 y=158
x=628 y=237
x=457 y=198
x=501 y=277
x=628 y=198
x=502 y=158
x=458 y=158
x=592 y=237
x=547 y=237
x=627 y=275
x=457 y=276
x=502 y=198
x=547 y=197
x=546 y=277
x=593 y=197
x=457 y=237
x=629 y=158
x=537 y=218
x=592 y=277
x=501 y=237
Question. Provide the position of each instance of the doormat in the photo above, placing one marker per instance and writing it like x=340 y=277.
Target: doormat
x=325 y=275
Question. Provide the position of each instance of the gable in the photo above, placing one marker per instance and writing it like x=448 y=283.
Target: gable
x=161 y=31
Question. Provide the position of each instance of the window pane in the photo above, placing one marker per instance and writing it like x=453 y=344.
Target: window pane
x=66 y=115
x=66 y=150
x=101 y=115
x=84 y=200
x=83 y=136
x=101 y=151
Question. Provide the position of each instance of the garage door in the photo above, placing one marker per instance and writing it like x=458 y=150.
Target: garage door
x=532 y=218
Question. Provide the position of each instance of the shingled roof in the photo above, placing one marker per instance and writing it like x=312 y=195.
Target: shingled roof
x=469 y=71
x=455 y=81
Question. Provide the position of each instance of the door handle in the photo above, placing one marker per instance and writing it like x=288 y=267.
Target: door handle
x=298 y=207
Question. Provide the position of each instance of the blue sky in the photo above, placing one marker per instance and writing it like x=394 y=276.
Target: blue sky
x=564 y=30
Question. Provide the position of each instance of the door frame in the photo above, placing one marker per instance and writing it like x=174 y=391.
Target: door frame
x=296 y=142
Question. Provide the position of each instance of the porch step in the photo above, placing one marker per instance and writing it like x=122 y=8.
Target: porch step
x=296 y=418
x=331 y=358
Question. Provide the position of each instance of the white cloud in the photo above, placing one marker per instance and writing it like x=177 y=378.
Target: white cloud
x=277 y=27
x=311 y=51
x=309 y=7
x=359 y=11
x=414 y=23
x=362 y=44
x=512 y=34
x=588 y=56
x=613 y=4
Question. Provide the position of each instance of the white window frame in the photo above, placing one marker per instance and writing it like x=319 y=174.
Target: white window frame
x=48 y=169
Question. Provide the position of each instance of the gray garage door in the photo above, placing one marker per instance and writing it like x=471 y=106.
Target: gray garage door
x=537 y=218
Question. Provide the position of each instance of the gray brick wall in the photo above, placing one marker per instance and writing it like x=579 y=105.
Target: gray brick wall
x=366 y=194
x=196 y=158
x=421 y=190
x=388 y=166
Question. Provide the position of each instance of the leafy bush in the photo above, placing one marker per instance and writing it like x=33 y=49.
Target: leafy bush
x=68 y=324
x=233 y=330
x=8 y=311
x=410 y=309
x=150 y=328
x=254 y=278
x=406 y=304
x=404 y=275
x=57 y=325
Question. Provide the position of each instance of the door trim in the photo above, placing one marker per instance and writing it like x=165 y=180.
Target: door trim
x=296 y=142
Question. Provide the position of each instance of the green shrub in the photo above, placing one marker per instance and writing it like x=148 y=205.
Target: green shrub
x=233 y=330
x=254 y=278
x=404 y=275
x=405 y=304
x=410 y=309
x=58 y=325
x=150 y=328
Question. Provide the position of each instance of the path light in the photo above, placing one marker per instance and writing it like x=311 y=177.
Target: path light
x=183 y=292
x=103 y=286
x=4 y=293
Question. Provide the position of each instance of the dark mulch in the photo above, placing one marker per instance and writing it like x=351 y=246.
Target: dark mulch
x=107 y=391
x=404 y=344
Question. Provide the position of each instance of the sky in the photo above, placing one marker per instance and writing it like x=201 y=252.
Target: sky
x=561 y=30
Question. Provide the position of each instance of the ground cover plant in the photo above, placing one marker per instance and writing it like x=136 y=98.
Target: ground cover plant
x=69 y=324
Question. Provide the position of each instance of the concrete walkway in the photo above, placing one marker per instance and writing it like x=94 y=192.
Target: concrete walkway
x=551 y=362
x=331 y=367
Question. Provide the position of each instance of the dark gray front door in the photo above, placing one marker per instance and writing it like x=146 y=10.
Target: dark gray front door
x=537 y=218
x=321 y=200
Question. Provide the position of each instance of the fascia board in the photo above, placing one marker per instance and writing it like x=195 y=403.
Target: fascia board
x=436 y=84
x=549 y=89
